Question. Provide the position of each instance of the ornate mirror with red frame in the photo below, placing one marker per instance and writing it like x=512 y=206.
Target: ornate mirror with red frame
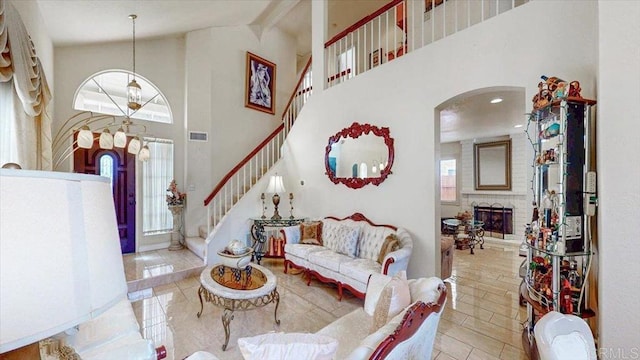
x=359 y=155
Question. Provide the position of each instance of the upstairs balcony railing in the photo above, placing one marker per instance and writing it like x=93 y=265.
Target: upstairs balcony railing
x=392 y=31
x=402 y=26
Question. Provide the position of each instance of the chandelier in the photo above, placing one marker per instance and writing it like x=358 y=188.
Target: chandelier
x=87 y=123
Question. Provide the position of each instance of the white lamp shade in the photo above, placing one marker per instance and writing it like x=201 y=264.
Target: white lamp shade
x=85 y=138
x=60 y=259
x=106 y=140
x=120 y=139
x=134 y=146
x=276 y=185
x=144 y=153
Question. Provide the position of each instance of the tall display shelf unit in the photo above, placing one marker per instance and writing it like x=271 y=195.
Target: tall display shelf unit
x=559 y=236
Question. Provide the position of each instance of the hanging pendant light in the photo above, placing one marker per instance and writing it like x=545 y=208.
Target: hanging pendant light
x=120 y=138
x=134 y=92
x=134 y=146
x=144 y=153
x=106 y=139
x=85 y=138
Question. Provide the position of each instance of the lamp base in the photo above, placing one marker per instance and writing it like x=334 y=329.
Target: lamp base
x=276 y=202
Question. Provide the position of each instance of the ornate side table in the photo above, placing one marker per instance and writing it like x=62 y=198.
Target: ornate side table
x=237 y=289
x=260 y=241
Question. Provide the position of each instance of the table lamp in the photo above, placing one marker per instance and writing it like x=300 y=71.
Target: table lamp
x=275 y=187
x=60 y=259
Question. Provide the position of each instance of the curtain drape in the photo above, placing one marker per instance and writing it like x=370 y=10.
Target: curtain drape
x=28 y=142
x=157 y=173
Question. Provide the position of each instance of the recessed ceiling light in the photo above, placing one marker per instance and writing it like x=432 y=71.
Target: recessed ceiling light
x=518 y=126
x=496 y=100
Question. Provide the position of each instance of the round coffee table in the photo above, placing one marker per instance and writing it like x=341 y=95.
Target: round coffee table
x=237 y=289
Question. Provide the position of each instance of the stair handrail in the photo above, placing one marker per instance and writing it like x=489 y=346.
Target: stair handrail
x=242 y=163
x=260 y=146
x=227 y=191
x=295 y=89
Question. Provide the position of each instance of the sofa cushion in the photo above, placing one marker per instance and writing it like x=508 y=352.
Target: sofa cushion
x=371 y=241
x=381 y=312
x=311 y=233
x=391 y=243
x=343 y=239
x=360 y=269
x=401 y=294
x=350 y=324
x=302 y=250
x=288 y=346
x=399 y=298
x=328 y=259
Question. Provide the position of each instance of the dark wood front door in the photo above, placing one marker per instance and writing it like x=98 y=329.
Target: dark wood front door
x=118 y=165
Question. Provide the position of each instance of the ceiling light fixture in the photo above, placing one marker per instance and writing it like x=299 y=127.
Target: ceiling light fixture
x=518 y=126
x=496 y=100
x=134 y=96
x=101 y=124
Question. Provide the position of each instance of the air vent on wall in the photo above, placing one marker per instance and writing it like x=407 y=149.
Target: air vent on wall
x=198 y=136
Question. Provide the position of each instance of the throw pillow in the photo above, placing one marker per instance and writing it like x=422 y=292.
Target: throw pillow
x=381 y=311
x=395 y=296
x=391 y=243
x=347 y=240
x=311 y=233
x=288 y=346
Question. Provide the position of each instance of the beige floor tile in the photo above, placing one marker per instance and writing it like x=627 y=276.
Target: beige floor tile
x=477 y=340
x=506 y=322
x=494 y=331
x=477 y=323
x=471 y=309
x=513 y=353
x=450 y=347
x=444 y=356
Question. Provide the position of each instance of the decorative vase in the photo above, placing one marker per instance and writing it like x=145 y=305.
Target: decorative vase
x=176 y=211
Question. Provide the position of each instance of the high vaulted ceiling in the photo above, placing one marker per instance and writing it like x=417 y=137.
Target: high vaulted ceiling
x=76 y=22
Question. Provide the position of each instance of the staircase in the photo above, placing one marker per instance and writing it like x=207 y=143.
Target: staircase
x=250 y=170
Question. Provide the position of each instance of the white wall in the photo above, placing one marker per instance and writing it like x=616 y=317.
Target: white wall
x=618 y=146
x=215 y=88
x=203 y=77
x=470 y=60
x=160 y=61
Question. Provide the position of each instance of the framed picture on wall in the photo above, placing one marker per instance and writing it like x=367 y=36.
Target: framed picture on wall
x=260 y=93
x=374 y=58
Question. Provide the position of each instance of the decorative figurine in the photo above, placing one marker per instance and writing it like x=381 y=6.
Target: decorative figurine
x=560 y=91
x=574 y=89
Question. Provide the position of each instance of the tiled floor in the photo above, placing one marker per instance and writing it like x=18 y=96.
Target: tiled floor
x=481 y=319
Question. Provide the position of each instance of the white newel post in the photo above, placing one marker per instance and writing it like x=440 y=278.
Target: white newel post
x=176 y=211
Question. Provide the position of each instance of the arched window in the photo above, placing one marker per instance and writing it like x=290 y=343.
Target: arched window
x=106 y=93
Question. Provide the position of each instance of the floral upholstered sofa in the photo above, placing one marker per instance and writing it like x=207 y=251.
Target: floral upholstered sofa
x=346 y=251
